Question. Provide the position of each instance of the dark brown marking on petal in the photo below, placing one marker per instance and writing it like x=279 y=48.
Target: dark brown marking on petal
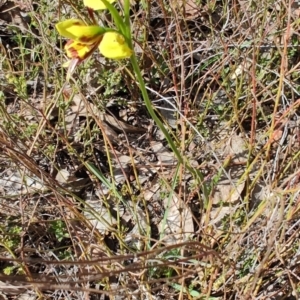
x=85 y=39
x=72 y=52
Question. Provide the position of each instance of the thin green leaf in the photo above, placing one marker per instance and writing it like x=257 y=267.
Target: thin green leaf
x=116 y=16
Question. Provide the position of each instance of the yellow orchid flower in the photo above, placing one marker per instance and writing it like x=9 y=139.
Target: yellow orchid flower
x=77 y=30
x=84 y=39
x=113 y=45
x=96 y=4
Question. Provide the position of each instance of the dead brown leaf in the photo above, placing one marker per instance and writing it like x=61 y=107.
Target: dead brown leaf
x=178 y=224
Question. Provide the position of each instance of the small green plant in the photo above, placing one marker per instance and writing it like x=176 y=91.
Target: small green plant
x=247 y=264
x=111 y=80
x=10 y=237
x=65 y=254
x=12 y=269
x=59 y=229
x=165 y=271
x=20 y=85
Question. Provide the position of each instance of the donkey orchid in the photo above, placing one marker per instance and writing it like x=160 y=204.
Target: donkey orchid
x=96 y=4
x=84 y=39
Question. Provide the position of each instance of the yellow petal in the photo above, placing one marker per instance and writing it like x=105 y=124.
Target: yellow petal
x=76 y=49
x=96 y=4
x=113 y=45
x=77 y=30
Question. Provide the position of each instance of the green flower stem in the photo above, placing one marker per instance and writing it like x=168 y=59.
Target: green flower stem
x=151 y=110
x=148 y=103
x=127 y=18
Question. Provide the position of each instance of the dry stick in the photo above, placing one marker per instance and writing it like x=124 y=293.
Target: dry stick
x=182 y=105
x=94 y=277
x=85 y=277
x=254 y=104
x=283 y=68
x=150 y=254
